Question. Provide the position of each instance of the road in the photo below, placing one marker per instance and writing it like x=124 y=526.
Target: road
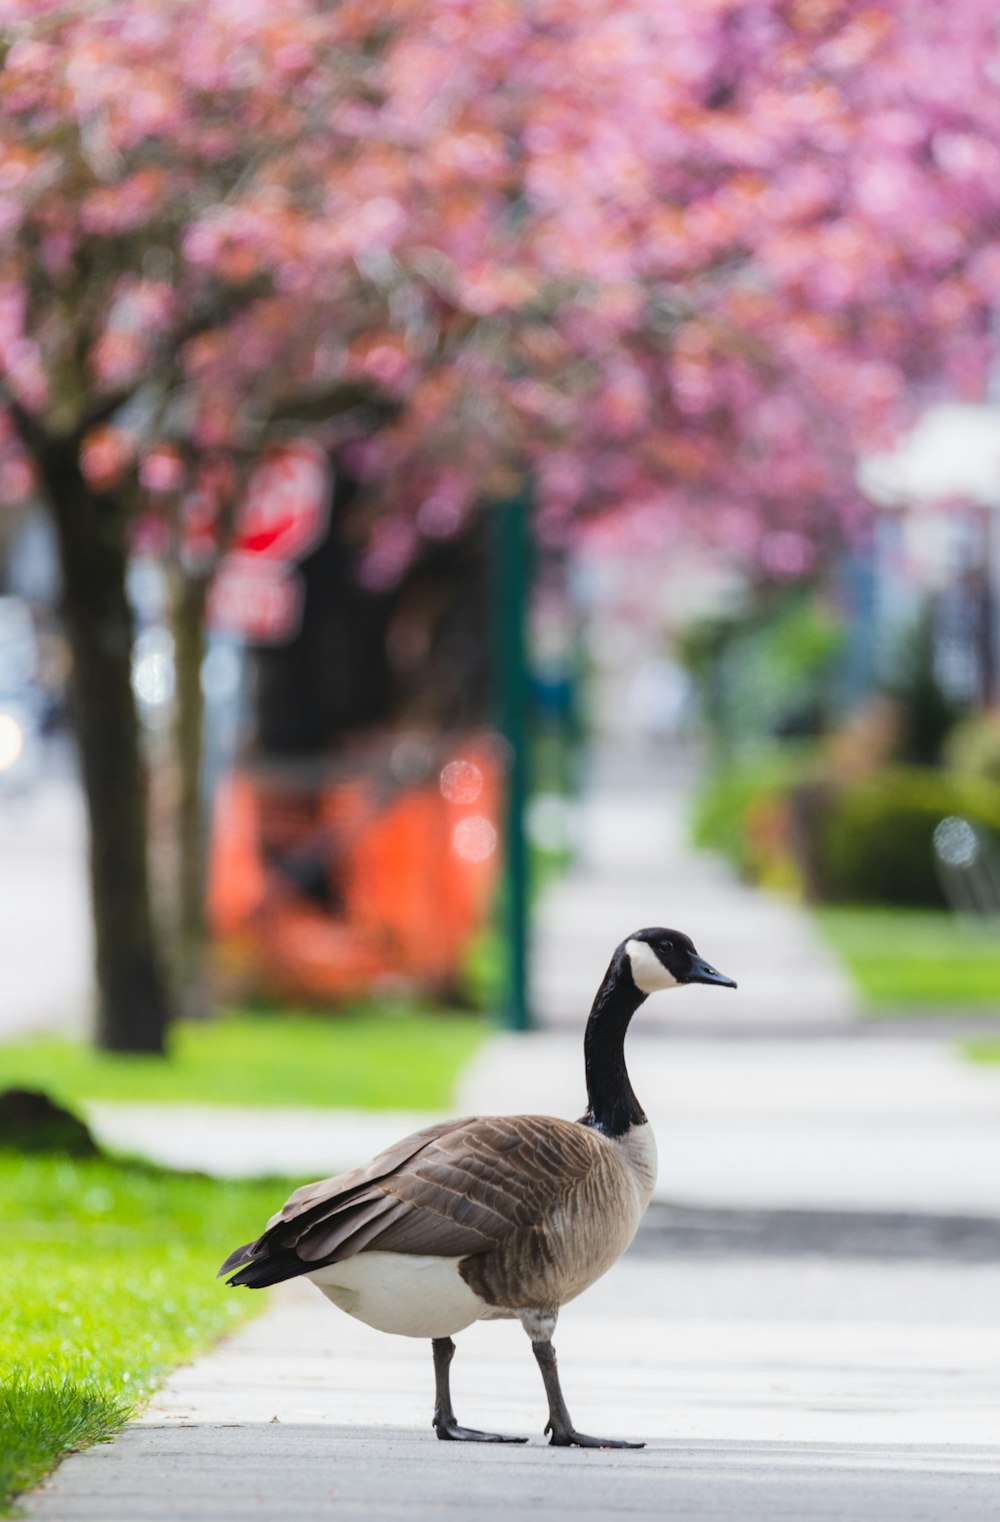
x=45 y=936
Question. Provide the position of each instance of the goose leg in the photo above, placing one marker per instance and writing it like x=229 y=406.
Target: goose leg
x=445 y=1424
x=564 y=1434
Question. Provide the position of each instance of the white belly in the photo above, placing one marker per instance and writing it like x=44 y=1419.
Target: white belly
x=400 y=1292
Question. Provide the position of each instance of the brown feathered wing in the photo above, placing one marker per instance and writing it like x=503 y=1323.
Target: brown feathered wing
x=452 y=1190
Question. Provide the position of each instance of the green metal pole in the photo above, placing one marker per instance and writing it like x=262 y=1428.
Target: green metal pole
x=510 y=556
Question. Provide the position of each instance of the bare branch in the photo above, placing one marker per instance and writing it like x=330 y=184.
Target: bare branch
x=30 y=432
x=310 y=408
x=103 y=409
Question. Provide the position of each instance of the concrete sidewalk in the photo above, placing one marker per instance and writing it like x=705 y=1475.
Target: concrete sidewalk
x=315 y=1474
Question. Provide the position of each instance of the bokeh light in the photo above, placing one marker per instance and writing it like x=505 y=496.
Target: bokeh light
x=956 y=843
x=153 y=675
x=461 y=782
x=474 y=839
x=11 y=741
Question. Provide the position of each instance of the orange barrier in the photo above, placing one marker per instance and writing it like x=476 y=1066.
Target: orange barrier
x=325 y=885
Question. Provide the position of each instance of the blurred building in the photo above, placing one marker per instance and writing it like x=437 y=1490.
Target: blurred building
x=936 y=548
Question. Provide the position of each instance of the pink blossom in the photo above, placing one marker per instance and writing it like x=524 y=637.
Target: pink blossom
x=678 y=261
x=161 y=471
x=105 y=456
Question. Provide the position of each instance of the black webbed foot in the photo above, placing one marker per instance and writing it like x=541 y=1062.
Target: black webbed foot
x=451 y=1432
x=444 y=1423
x=559 y=1424
x=568 y=1437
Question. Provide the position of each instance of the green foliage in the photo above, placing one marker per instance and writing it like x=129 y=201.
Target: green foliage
x=734 y=795
x=765 y=672
x=866 y=841
x=915 y=957
x=366 y=1060
x=926 y=713
x=873 y=840
x=108 y=1282
x=973 y=746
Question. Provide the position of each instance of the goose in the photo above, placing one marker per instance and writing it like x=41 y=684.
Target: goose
x=494 y=1217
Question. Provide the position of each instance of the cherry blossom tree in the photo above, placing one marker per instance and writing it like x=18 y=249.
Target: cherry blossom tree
x=167 y=287
x=676 y=262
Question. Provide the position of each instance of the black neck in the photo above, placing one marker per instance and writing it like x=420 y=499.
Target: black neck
x=611 y=1105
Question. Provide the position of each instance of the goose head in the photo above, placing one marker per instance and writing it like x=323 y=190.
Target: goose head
x=657 y=958
x=645 y=962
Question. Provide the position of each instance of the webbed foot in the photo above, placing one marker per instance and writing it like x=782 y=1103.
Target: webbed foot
x=451 y=1432
x=568 y=1437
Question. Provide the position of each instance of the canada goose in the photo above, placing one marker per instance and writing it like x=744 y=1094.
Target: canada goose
x=498 y=1216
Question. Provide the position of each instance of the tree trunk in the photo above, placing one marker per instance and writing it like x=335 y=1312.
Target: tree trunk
x=189 y=648
x=414 y=655
x=133 y=1004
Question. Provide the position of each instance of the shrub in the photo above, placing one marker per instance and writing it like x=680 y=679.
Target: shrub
x=872 y=841
x=785 y=823
x=974 y=745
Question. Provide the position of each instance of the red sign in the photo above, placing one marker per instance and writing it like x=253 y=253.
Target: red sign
x=287 y=504
x=258 y=600
x=283 y=516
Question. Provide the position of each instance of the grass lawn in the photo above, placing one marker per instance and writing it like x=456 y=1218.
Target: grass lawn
x=371 y=1061
x=915 y=958
x=108 y=1281
x=986 y=1051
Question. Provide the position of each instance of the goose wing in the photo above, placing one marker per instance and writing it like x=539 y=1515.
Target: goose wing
x=452 y=1190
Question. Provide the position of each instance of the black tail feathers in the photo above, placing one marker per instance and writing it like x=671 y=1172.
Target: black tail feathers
x=241 y=1255
x=261 y=1263
x=271 y=1269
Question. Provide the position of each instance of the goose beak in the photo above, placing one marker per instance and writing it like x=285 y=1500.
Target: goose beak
x=701 y=972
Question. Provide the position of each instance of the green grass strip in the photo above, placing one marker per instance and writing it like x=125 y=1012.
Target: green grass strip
x=908 y=959
x=108 y=1283
x=42 y=1417
x=985 y=1051
x=367 y=1060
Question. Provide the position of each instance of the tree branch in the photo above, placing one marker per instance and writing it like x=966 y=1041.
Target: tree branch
x=27 y=428
x=311 y=407
x=103 y=409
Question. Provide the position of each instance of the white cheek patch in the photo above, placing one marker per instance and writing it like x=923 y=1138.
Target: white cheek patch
x=648 y=973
